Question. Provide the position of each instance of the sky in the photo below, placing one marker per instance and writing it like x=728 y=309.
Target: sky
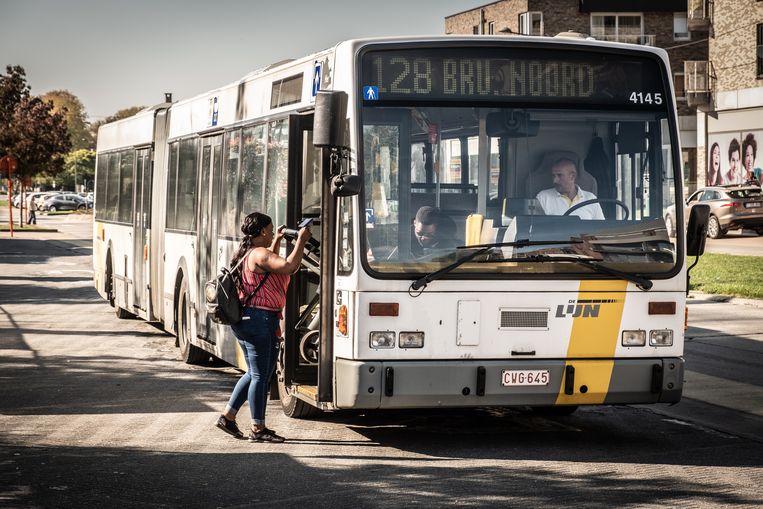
x=114 y=54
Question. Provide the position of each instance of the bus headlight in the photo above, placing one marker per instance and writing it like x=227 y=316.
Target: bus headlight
x=411 y=340
x=382 y=339
x=661 y=338
x=634 y=338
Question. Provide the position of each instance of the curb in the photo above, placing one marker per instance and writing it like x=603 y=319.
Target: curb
x=742 y=301
x=25 y=231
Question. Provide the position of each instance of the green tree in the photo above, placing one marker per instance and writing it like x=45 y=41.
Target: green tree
x=29 y=128
x=41 y=138
x=71 y=107
x=79 y=168
x=13 y=88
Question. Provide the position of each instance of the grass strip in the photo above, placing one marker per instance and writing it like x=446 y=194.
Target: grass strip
x=724 y=274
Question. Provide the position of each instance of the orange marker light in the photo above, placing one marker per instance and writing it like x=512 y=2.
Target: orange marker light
x=662 y=308
x=341 y=322
x=384 y=309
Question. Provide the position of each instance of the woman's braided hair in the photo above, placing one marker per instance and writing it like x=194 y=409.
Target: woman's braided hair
x=251 y=227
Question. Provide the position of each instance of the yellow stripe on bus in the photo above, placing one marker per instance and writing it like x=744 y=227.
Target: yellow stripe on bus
x=594 y=335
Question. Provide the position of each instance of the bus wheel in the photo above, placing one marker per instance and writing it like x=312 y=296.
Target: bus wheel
x=190 y=353
x=122 y=314
x=109 y=282
x=292 y=406
x=555 y=410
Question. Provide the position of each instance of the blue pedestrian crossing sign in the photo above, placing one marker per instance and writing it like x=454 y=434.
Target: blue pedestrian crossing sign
x=371 y=93
x=317 y=77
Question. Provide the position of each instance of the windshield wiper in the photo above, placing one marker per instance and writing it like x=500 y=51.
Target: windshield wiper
x=421 y=283
x=642 y=282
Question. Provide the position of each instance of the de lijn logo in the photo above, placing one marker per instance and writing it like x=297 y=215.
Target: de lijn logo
x=583 y=308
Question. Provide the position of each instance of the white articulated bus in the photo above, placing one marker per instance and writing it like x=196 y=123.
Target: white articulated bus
x=524 y=304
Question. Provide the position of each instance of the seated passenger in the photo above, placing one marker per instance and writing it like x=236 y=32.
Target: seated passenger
x=566 y=193
x=432 y=229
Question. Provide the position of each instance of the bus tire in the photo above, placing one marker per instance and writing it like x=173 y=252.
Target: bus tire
x=109 y=281
x=190 y=353
x=292 y=406
x=122 y=313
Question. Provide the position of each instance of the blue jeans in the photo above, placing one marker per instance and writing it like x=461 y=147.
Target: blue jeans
x=256 y=333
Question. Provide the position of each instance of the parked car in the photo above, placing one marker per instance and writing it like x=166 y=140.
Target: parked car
x=67 y=201
x=88 y=198
x=39 y=197
x=731 y=208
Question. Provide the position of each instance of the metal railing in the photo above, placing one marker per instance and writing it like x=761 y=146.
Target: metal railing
x=699 y=81
x=699 y=14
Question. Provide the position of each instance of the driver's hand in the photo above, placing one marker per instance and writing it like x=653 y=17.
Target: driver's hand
x=304 y=235
x=279 y=232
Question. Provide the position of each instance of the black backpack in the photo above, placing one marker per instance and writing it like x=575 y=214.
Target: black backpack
x=221 y=296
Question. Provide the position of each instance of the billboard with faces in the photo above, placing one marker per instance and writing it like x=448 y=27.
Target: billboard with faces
x=733 y=158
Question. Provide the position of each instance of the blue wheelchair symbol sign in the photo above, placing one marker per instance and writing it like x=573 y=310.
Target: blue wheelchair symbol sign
x=317 y=78
x=371 y=93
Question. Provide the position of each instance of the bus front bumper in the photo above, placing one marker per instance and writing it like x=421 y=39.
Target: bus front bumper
x=472 y=383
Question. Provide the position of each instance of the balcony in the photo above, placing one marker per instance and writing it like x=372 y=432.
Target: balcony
x=699 y=82
x=643 y=40
x=699 y=14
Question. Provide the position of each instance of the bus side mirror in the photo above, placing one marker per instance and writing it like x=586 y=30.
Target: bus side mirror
x=696 y=231
x=346 y=185
x=330 y=118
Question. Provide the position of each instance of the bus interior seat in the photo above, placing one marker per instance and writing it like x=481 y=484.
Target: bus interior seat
x=480 y=230
x=473 y=229
x=542 y=179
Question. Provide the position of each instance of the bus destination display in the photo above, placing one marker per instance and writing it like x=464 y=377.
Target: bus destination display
x=482 y=74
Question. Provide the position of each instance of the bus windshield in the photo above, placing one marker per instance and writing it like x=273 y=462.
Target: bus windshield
x=460 y=153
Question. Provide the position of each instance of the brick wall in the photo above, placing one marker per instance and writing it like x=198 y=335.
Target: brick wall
x=561 y=16
x=732 y=50
x=504 y=13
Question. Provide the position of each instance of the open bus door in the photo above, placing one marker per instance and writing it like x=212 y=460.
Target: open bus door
x=297 y=371
x=305 y=371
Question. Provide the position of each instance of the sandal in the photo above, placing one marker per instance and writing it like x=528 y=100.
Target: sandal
x=266 y=435
x=229 y=427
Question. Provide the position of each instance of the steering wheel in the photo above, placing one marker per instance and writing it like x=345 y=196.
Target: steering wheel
x=598 y=200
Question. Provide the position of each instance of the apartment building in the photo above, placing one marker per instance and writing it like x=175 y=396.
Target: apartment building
x=727 y=90
x=661 y=23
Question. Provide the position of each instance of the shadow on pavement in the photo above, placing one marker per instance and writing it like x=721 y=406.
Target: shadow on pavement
x=98 y=477
x=720 y=354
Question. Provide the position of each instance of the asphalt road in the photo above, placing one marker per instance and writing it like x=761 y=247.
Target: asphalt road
x=737 y=242
x=96 y=411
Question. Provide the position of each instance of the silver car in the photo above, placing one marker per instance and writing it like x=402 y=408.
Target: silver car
x=731 y=208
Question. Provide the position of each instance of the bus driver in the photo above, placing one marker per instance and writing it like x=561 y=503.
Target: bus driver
x=566 y=193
